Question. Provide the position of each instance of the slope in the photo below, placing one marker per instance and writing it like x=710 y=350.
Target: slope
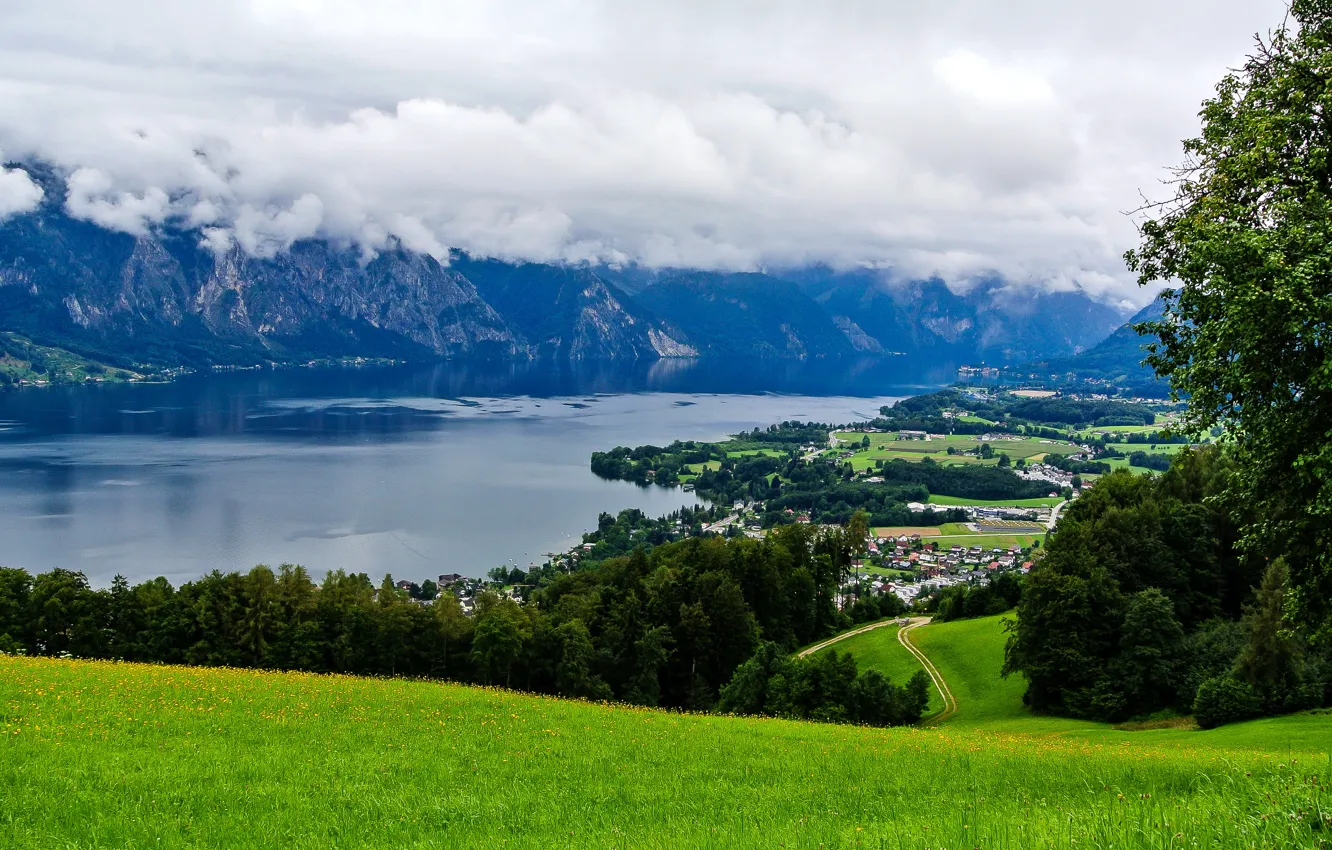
x=746 y=315
x=105 y=754
x=969 y=654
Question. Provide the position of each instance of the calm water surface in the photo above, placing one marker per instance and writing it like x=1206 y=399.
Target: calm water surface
x=413 y=471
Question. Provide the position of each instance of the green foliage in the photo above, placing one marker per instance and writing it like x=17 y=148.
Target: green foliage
x=825 y=686
x=1136 y=600
x=667 y=627
x=1225 y=699
x=964 y=600
x=1246 y=245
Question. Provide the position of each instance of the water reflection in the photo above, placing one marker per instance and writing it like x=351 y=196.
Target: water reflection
x=416 y=471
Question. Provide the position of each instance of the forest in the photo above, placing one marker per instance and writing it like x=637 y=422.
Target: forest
x=666 y=627
x=1144 y=603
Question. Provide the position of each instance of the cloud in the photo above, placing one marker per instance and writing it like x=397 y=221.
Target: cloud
x=18 y=194
x=955 y=138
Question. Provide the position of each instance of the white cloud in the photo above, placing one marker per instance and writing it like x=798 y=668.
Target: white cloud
x=92 y=196
x=957 y=138
x=18 y=194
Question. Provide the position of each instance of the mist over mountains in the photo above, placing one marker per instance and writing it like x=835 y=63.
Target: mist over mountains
x=162 y=297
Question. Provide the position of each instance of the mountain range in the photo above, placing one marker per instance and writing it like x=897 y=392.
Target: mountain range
x=1115 y=361
x=163 y=298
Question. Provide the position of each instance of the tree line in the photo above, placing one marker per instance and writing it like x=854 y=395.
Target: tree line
x=667 y=627
x=1145 y=602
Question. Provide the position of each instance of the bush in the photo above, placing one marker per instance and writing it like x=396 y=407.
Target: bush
x=1224 y=699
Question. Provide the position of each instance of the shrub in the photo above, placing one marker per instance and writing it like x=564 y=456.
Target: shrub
x=1224 y=699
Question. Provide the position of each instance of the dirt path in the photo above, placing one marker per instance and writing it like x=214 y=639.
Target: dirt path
x=950 y=704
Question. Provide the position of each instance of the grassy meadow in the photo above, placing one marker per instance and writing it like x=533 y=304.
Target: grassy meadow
x=98 y=754
x=886 y=446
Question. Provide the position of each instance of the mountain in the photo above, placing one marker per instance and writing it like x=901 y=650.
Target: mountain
x=989 y=321
x=1116 y=360
x=748 y=315
x=163 y=299
x=570 y=312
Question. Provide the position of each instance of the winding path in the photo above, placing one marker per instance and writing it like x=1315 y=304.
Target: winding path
x=907 y=625
x=950 y=703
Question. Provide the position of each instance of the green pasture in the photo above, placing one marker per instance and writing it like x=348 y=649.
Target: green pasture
x=986 y=541
x=755 y=453
x=969 y=654
x=956 y=501
x=886 y=446
x=96 y=754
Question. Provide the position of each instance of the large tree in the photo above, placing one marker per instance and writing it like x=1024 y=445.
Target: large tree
x=1246 y=246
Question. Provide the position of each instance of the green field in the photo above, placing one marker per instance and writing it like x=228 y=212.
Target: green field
x=969 y=654
x=957 y=501
x=887 y=447
x=97 y=754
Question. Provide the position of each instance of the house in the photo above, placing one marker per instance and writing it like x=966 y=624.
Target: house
x=449 y=579
x=911 y=435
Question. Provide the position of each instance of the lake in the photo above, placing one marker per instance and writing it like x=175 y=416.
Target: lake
x=413 y=471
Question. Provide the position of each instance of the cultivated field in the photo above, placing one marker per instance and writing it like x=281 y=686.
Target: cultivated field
x=114 y=755
x=957 y=501
x=887 y=446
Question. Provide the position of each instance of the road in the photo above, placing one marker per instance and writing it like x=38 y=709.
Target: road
x=911 y=623
x=844 y=635
x=720 y=525
x=1054 y=515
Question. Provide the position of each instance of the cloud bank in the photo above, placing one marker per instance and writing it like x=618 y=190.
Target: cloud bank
x=955 y=139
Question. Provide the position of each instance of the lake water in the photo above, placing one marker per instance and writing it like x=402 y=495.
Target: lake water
x=412 y=471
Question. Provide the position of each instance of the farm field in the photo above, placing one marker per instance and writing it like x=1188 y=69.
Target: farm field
x=175 y=757
x=886 y=446
x=899 y=530
x=988 y=541
x=956 y=501
x=957 y=533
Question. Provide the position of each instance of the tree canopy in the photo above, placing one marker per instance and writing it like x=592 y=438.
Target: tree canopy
x=1245 y=244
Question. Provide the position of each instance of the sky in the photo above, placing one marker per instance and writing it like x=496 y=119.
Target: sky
x=959 y=139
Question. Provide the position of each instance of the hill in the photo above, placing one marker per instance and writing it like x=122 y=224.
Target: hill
x=969 y=655
x=105 y=754
x=1115 y=361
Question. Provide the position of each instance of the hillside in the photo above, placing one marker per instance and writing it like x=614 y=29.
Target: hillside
x=1116 y=360
x=175 y=757
x=969 y=655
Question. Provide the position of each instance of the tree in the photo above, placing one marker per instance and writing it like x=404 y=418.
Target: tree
x=453 y=627
x=498 y=640
x=1003 y=460
x=574 y=674
x=1246 y=246
x=865 y=442
x=1150 y=652
x=1270 y=661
